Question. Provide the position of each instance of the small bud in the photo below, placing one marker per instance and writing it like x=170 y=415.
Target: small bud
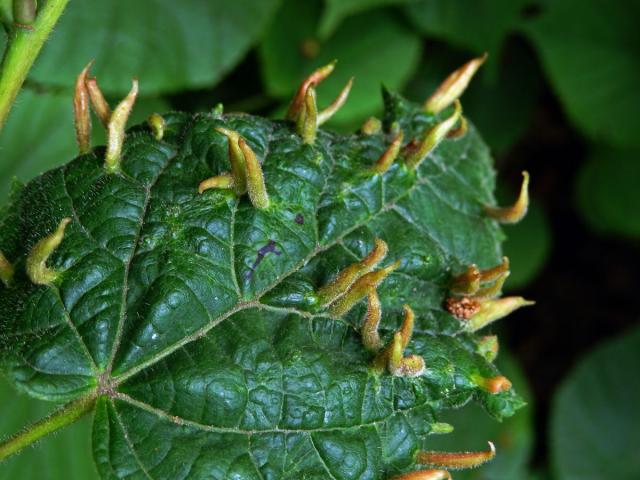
x=369 y=331
x=6 y=270
x=416 y=153
x=297 y=104
x=307 y=121
x=81 y=113
x=518 y=210
x=389 y=156
x=453 y=86
x=37 y=269
x=488 y=347
x=236 y=159
x=349 y=275
x=336 y=105
x=441 y=428
x=98 y=102
x=309 y=48
x=492 y=385
x=255 y=178
x=224 y=181
x=24 y=12
x=492 y=310
x=461 y=130
x=116 y=130
x=457 y=460
x=359 y=290
x=463 y=308
x=157 y=124
x=371 y=126
x=425 y=475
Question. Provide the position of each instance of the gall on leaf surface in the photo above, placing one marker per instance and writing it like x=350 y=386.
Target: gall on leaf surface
x=194 y=318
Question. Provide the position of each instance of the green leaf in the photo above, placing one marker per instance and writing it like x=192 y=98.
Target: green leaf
x=170 y=45
x=590 y=51
x=513 y=438
x=480 y=26
x=595 y=415
x=192 y=317
x=336 y=11
x=284 y=64
x=68 y=456
x=39 y=134
x=607 y=191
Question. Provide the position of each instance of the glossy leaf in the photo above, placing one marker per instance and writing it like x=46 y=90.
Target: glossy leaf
x=590 y=51
x=169 y=45
x=595 y=415
x=284 y=61
x=208 y=352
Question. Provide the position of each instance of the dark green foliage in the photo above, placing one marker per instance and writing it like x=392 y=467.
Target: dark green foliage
x=212 y=361
x=596 y=412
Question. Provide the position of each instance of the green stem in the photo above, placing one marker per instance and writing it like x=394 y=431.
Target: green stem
x=22 y=49
x=66 y=415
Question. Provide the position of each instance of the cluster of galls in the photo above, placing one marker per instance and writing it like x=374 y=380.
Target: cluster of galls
x=473 y=293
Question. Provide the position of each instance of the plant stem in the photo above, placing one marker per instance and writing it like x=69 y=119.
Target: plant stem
x=22 y=49
x=66 y=415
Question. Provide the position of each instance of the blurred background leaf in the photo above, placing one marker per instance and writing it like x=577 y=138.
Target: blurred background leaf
x=67 y=455
x=169 y=45
x=478 y=26
x=608 y=191
x=591 y=52
x=376 y=48
x=594 y=426
x=337 y=10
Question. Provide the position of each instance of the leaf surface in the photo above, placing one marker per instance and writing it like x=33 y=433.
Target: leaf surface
x=212 y=358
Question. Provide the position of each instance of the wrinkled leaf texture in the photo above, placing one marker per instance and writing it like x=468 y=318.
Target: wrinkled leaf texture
x=212 y=363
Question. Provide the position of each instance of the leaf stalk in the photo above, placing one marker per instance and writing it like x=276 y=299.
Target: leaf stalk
x=68 y=414
x=22 y=49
